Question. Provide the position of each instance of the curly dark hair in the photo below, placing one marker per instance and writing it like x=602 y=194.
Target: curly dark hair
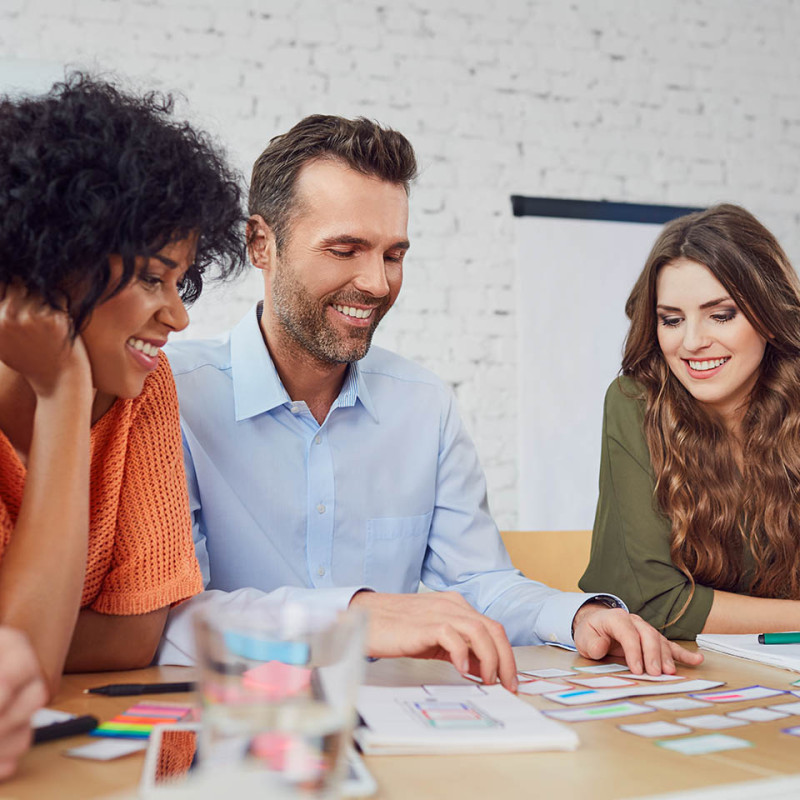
x=87 y=171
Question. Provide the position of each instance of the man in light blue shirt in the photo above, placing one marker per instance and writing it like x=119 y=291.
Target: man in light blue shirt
x=325 y=471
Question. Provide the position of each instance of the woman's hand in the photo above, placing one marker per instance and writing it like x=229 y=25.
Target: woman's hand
x=22 y=691
x=35 y=342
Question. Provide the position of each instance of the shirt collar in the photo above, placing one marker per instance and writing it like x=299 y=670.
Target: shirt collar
x=257 y=387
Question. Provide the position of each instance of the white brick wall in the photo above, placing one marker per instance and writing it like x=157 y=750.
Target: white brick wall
x=679 y=101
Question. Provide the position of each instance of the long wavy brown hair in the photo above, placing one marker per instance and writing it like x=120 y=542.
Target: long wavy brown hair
x=718 y=510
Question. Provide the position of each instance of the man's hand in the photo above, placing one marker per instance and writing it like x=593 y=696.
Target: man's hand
x=600 y=631
x=439 y=625
x=22 y=691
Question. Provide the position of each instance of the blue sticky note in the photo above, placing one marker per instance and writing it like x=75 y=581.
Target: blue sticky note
x=256 y=649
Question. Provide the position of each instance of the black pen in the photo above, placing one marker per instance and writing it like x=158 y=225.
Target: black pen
x=123 y=689
x=69 y=727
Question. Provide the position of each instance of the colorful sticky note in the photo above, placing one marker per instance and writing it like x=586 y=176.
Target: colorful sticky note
x=738 y=695
x=599 y=712
x=701 y=745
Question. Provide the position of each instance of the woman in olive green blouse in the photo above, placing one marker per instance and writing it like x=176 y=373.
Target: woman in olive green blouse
x=698 y=520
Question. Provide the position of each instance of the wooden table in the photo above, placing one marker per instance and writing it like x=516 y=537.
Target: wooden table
x=609 y=763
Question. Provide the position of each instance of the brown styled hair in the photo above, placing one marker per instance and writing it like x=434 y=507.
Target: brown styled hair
x=361 y=144
x=716 y=509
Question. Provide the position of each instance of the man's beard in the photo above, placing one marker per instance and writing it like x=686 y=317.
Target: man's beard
x=306 y=320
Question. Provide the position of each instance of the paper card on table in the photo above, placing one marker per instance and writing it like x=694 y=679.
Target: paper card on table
x=541 y=687
x=713 y=722
x=602 y=682
x=795 y=731
x=106 y=750
x=677 y=703
x=548 y=673
x=445 y=692
x=599 y=669
x=796 y=683
x=583 y=696
x=700 y=745
x=653 y=729
x=757 y=714
x=407 y=719
x=652 y=678
x=599 y=712
x=48 y=716
x=738 y=695
x=787 y=708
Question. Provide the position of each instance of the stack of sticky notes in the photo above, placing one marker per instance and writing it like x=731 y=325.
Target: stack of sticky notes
x=138 y=720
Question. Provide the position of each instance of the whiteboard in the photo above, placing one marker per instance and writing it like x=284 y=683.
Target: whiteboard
x=573 y=277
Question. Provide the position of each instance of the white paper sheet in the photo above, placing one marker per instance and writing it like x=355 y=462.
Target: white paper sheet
x=583 y=696
x=412 y=719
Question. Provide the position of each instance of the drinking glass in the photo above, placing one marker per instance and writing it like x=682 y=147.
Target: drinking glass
x=278 y=692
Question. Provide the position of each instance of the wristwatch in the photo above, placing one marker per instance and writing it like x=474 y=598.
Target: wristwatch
x=607 y=600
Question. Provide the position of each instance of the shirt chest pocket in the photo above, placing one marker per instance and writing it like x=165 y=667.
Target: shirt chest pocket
x=395 y=548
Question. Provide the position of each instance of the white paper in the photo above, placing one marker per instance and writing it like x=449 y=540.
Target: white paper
x=739 y=695
x=410 y=719
x=47 y=716
x=653 y=678
x=788 y=708
x=107 y=749
x=446 y=691
x=715 y=722
x=599 y=669
x=758 y=714
x=652 y=730
x=541 y=687
x=602 y=682
x=548 y=673
x=583 y=696
x=700 y=745
x=678 y=703
x=599 y=712
x=747 y=646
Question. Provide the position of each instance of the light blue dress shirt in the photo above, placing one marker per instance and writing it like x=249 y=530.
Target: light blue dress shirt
x=388 y=490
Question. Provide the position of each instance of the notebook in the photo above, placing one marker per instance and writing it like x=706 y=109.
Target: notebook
x=454 y=719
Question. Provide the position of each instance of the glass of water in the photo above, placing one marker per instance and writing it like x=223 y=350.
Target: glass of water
x=278 y=692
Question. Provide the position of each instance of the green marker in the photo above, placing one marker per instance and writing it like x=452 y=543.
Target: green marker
x=787 y=637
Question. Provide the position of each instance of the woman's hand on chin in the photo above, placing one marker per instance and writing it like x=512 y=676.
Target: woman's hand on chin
x=36 y=342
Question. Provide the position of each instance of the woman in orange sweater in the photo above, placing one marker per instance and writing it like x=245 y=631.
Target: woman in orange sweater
x=110 y=212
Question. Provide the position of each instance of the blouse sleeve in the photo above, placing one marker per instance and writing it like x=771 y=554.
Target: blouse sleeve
x=153 y=564
x=630 y=553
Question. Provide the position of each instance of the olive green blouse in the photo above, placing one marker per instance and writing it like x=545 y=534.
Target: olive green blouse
x=630 y=542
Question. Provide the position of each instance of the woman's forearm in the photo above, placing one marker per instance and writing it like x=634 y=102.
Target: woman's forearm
x=739 y=613
x=42 y=572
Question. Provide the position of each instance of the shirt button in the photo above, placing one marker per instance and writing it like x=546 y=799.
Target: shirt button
x=295 y=408
x=321 y=508
x=317 y=440
x=321 y=571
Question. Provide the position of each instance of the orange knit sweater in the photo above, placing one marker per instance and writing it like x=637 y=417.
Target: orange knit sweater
x=141 y=555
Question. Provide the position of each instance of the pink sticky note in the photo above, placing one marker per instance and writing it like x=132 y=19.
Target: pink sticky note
x=276 y=679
